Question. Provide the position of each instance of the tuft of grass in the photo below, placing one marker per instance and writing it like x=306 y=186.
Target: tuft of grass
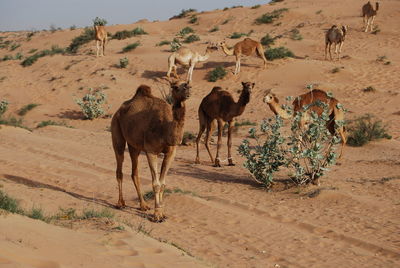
x=14 y=46
x=37 y=214
x=256 y=6
x=9 y=204
x=130 y=47
x=33 y=50
x=188 y=137
x=120 y=35
x=335 y=70
x=123 y=62
x=66 y=214
x=369 y=89
x=83 y=38
x=214 y=29
x=218 y=73
x=270 y=16
x=295 y=35
x=278 y=53
x=193 y=19
x=7 y=57
x=191 y=38
x=185 y=31
x=14 y=122
x=91 y=213
x=51 y=123
x=184 y=13
x=27 y=108
x=163 y=43
x=237 y=35
x=48 y=52
x=365 y=129
x=267 y=40
x=245 y=123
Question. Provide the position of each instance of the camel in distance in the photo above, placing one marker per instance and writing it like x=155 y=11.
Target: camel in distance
x=101 y=39
x=369 y=14
x=335 y=36
x=149 y=124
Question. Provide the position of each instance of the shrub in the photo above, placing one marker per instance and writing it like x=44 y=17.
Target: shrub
x=14 y=46
x=365 y=129
x=188 y=137
x=184 y=13
x=191 y=38
x=237 y=35
x=9 y=204
x=270 y=16
x=295 y=34
x=131 y=47
x=18 y=56
x=27 y=108
x=369 y=89
x=37 y=214
x=267 y=40
x=175 y=45
x=99 y=21
x=7 y=57
x=185 y=31
x=193 y=19
x=306 y=152
x=218 y=73
x=50 y=123
x=278 y=53
x=164 y=42
x=32 y=59
x=128 y=34
x=276 y=1
x=14 y=122
x=3 y=107
x=33 y=50
x=123 y=62
x=83 y=38
x=214 y=29
x=256 y=6
x=91 y=213
x=92 y=103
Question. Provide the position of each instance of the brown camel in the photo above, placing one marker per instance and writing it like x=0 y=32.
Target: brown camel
x=335 y=35
x=219 y=105
x=149 y=124
x=335 y=113
x=101 y=38
x=246 y=47
x=368 y=14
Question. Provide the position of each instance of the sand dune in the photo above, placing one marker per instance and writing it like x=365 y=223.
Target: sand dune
x=216 y=217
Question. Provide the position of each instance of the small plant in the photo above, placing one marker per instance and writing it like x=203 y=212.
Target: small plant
x=37 y=214
x=18 y=56
x=335 y=70
x=130 y=47
x=256 y=6
x=33 y=50
x=123 y=62
x=226 y=21
x=188 y=137
x=369 y=89
x=193 y=19
x=185 y=31
x=365 y=129
x=214 y=29
x=163 y=43
x=175 y=45
x=83 y=38
x=99 y=21
x=267 y=40
x=91 y=213
x=184 y=13
x=218 y=73
x=244 y=123
x=191 y=38
x=27 y=108
x=270 y=16
x=237 y=35
x=14 y=46
x=120 y=35
x=51 y=123
x=32 y=59
x=278 y=53
x=9 y=204
x=92 y=103
x=295 y=35
x=7 y=57
x=73 y=27
x=14 y=122
x=138 y=31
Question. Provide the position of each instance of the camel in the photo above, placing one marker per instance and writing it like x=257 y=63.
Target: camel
x=219 y=105
x=335 y=113
x=335 y=35
x=247 y=47
x=368 y=14
x=187 y=57
x=101 y=38
x=147 y=123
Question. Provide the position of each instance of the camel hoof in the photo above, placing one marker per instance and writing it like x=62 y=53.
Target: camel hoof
x=144 y=207
x=197 y=161
x=231 y=164
x=158 y=215
x=120 y=205
x=217 y=165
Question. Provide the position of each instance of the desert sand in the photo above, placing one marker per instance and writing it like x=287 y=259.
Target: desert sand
x=217 y=217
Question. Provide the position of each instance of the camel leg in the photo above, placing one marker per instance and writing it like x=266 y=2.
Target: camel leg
x=329 y=48
x=230 y=143
x=326 y=51
x=210 y=128
x=119 y=148
x=340 y=49
x=201 y=130
x=237 y=67
x=366 y=27
x=134 y=153
x=158 y=211
x=98 y=47
x=217 y=162
x=104 y=46
x=372 y=23
x=190 y=72
x=166 y=164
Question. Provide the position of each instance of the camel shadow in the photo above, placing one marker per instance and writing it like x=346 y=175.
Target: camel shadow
x=69 y=114
x=154 y=75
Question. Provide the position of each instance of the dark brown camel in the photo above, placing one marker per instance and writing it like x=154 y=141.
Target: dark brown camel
x=149 y=124
x=369 y=14
x=219 y=105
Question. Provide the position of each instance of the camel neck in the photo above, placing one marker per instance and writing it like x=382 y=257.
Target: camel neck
x=242 y=102
x=277 y=110
x=179 y=111
x=227 y=51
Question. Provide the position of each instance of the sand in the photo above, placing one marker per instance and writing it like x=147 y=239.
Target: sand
x=218 y=217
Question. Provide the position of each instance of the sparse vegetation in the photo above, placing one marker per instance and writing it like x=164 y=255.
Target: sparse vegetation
x=33 y=50
x=7 y=57
x=9 y=204
x=99 y=21
x=295 y=34
x=237 y=35
x=36 y=213
x=14 y=46
x=91 y=213
x=175 y=45
x=193 y=19
x=123 y=62
x=3 y=107
x=369 y=89
x=188 y=137
x=270 y=16
x=128 y=34
x=14 y=122
x=335 y=70
x=32 y=59
x=267 y=40
x=92 y=103
x=276 y=1
x=226 y=21
x=191 y=38
x=163 y=43
x=184 y=13
x=27 y=108
x=51 y=123
x=365 y=129
x=185 y=31
x=216 y=74
x=214 y=29
x=83 y=38
x=278 y=53
x=256 y=6
x=130 y=47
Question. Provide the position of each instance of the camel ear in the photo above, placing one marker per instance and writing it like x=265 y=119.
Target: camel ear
x=253 y=85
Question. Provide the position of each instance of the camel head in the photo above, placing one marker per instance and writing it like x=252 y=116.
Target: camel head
x=376 y=6
x=248 y=86
x=180 y=91
x=211 y=47
x=344 y=30
x=270 y=97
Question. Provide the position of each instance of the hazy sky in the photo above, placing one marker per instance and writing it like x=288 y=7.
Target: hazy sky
x=40 y=14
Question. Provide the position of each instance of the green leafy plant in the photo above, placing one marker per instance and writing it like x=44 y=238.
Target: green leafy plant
x=188 y=137
x=7 y=57
x=123 y=62
x=14 y=46
x=9 y=204
x=295 y=35
x=185 y=31
x=51 y=123
x=83 y=38
x=48 y=52
x=365 y=129
x=175 y=45
x=3 y=107
x=130 y=47
x=92 y=103
x=99 y=21
x=91 y=213
x=256 y=6
x=278 y=53
x=217 y=73
x=237 y=35
x=214 y=29
x=191 y=38
x=270 y=16
x=267 y=40
x=163 y=43
x=120 y=35
x=27 y=108
x=193 y=19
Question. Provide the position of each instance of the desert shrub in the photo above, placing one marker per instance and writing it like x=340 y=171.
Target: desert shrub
x=99 y=21
x=33 y=50
x=7 y=57
x=369 y=89
x=335 y=70
x=191 y=38
x=237 y=35
x=226 y=21
x=91 y=213
x=218 y=73
x=131 y=47
x=92 y=103
x=244 y=123
x=3 y=107
x=18 y=56
x=276 y=1
x=184 y=13
x=73 y=27
x=163 y=43
x=306 y=152
x=14 y=46
x=123 y=62
x=270 y=16
x=214 y=29
x=37 y=214
x=175 y=45
x=278 y=53
x=128 y=34
x=256 y=6
x=9 y=204
x=83 y=38
x=47 y=52
x=51 y=123
x=27 y=108
x=14 y=122
x=29 y=35
x=295 y=35
x=188 y=137
x=239 y=6
x=365 y=129
x=185 y=31
x=267 y=40
x=193 y=19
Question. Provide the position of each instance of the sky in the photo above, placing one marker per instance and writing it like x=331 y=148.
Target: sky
x=16 y=15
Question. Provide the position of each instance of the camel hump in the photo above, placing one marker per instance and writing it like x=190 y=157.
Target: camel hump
x=215 y=89
x=144 y=90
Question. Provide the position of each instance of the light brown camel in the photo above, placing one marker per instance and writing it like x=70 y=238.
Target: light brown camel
x=101 y=38
x=187 y=57
x=335 y=35
x=247 y=47
x=219 y=105
x=335 y=113
x=149 y=124
x=368 y=14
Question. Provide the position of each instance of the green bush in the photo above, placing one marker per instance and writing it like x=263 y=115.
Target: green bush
x=9 y=204
x=267 y=40
x=218 y=73
x=306 y=152
x=185 y=31
x=128 y=34
x=51 y=123
x=7 y=57
x=37 y=214
x=3 y=107
x=32 y=59
x=85 y=37
x=295 y=35
x=14 y=122
x=193 y=19
x=130 y=47
x=27 y=108
x=270 y=16
x=123 y=62
x=365 y=129
x=278 y=53
x=175 y=45
x=184 y=13
x=214 y=29
x=163 y=43
x=99 y=22
x=92 y=103
x=237 y=35
x=14 y=46
x=191 y=38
